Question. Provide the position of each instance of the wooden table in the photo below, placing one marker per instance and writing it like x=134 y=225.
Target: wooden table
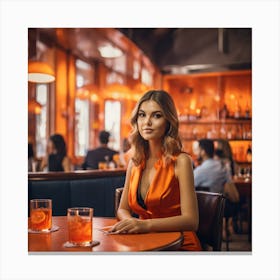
x=244 y=187
x=53 y=242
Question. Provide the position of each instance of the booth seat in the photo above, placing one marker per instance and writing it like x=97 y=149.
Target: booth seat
x=94 y=189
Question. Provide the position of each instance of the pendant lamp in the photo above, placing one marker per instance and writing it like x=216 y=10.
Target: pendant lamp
x=39 y=71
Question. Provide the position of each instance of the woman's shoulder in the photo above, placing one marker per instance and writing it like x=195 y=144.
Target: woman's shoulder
x=183 y=162
x=183 y=158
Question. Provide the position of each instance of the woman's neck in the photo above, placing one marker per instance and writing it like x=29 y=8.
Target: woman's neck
x=155 y=149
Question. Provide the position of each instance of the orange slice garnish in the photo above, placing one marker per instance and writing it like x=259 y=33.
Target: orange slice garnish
x=37 y=217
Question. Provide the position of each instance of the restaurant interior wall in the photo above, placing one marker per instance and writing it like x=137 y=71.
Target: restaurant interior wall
x=63 y=92
x=214 y=105
x=199 y=97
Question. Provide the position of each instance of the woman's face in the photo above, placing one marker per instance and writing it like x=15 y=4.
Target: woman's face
x=150 y=121
x=50 y=147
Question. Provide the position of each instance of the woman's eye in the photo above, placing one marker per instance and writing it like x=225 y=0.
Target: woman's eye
x=157 y=116
x=141 y=115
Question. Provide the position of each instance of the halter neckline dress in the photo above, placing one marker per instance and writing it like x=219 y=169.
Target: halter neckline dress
x=162 y=199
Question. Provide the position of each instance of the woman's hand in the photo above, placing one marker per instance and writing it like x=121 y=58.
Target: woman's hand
x=131 y=225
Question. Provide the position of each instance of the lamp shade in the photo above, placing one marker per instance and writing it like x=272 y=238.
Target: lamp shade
x=40 y=72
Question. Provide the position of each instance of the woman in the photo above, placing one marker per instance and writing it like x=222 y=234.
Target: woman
x=159 y=183
x=56 y=159
x=223 y=153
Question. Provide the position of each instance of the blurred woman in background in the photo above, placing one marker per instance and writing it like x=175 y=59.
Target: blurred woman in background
x=56 y=159
x=223 y=153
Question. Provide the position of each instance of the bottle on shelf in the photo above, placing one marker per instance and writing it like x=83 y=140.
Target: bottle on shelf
x=237 y=112
x=249 y=154
x=229 y=133
x=238 y=134
x=223 y=132
x=247 y=111
x=223 y=114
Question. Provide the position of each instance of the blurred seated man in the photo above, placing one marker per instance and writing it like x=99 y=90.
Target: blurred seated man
x=214 y=175
x=210 y=173
x=100 y=154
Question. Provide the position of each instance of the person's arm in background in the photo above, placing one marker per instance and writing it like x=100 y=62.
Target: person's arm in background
x=197 y=174
x=44 y=163
x=66 y=163
x=84 y=164
x=230 y=189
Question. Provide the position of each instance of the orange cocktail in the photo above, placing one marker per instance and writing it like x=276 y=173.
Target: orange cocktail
x=80 y=226
x=40 y=214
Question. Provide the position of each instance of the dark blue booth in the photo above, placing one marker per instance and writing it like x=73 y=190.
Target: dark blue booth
x=94 y=189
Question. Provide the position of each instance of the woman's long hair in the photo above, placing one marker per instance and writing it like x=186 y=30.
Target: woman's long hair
x=59 y=144
x=226 y=152
x=171 y=144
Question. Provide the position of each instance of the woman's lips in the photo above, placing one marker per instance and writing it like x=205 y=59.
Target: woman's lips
x=147 y=130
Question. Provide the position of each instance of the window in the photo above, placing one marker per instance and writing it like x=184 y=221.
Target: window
x=117 y=64
x=113 y=122
x=146 y=77
x=81 y=127
x=41 y=120
x=136 y=69
x=113 y=77
x=85 y=76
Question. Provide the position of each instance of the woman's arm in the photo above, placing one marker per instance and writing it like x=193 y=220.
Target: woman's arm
x=124 y=211
x=187 y=221
x=66 y=163
x=43 y=163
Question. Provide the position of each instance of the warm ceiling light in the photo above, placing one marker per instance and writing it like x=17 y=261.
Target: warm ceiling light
x=108 y=51
x=88 y=91
x=141 y=88
x=40 y=72
x=117 y=91
x=34 y=107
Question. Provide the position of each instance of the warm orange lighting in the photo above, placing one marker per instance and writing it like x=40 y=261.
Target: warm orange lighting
x=217 y=98
x=117 y=91
x=95 y=125
x=88 y=91
x=192 y=104
x=141 y=88
x=34 y=107
x=94 y=97
x=40 y=72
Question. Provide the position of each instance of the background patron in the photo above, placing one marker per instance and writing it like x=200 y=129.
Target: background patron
x=56 y=159
x=101 y=154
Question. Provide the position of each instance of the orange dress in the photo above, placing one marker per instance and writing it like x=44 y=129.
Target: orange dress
x=162 y=199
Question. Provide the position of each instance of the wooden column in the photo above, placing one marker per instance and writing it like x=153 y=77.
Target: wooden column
x=71 y=93
x=65 y=98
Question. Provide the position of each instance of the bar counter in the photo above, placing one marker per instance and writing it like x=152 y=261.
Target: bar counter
x=78 y=174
